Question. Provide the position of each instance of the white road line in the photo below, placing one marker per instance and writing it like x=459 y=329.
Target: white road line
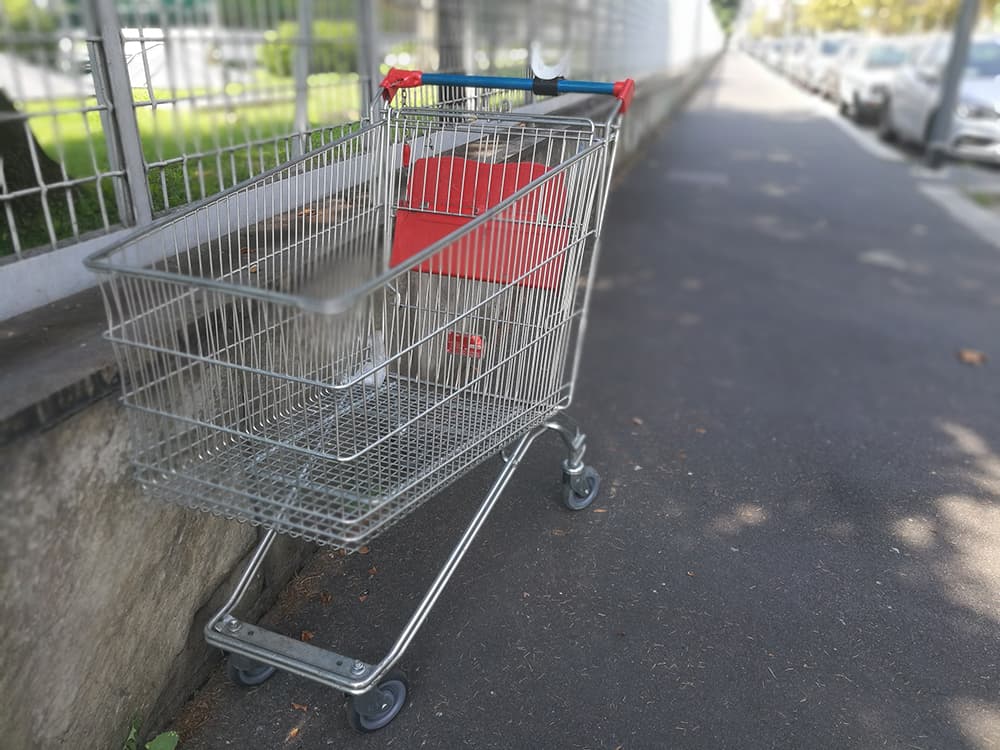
x=978 y=220
x=863 y=138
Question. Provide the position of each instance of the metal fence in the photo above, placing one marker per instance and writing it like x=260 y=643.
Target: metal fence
x=115 y=111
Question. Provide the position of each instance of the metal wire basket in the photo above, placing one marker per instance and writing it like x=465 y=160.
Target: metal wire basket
x=326 y=346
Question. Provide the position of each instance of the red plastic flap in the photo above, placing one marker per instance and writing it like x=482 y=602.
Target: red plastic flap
x=445 y=193
x=397 y=79
x=624 y=90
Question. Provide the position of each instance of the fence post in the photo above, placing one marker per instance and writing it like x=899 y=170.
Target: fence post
x=121 y=129
x=300 y=69
x=368 y=64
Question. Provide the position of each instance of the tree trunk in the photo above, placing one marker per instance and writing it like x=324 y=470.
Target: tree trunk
x=17 y=143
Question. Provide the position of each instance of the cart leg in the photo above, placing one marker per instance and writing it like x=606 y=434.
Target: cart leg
x=242 y=669
x=581 y=483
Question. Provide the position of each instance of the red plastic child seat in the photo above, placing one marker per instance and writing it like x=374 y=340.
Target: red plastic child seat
x=445 y=193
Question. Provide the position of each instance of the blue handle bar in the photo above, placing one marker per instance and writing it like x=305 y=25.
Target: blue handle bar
x=516 y=84
x=397 y=79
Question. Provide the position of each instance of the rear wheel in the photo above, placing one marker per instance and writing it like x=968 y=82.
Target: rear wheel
x=886 y=130
x=248 y=674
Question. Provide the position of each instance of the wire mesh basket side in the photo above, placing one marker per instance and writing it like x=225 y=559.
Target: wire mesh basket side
x=334 y=425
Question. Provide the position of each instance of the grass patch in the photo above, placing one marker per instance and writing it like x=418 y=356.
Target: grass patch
x=194 y=149
x=989 y=200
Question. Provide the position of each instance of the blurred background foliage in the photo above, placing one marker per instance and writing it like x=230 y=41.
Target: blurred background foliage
x=885 y=16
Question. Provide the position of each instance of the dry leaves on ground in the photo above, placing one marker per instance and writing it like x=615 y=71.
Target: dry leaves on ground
x=972 y=357
x=307 y=635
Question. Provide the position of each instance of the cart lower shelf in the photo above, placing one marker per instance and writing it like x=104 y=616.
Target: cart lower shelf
x=277 y=477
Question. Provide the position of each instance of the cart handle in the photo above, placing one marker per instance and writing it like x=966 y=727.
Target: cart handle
x=397 y=79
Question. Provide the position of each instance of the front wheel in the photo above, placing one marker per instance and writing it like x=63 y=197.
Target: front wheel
x=392 y=697
x=580 y=490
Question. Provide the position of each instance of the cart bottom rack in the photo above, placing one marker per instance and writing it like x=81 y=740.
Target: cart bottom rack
x=378 y=690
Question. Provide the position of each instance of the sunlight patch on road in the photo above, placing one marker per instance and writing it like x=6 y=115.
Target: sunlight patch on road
x=968 y=527
x=979 y=722
x=742 y=516
x=773 y=226
x=916 y=533
x=887 y=259
x=698 y=178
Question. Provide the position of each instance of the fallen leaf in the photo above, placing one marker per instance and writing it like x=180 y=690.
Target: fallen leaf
x=253 y=268
x=363 y=551
x=307 y=635
x=300 y=707
x=637 y=420
x=247 y=251
x=292 y=734
x=972 y=357
x=305 y=212
x=700 y=430
x=600 y=510
x=363 y=598
x=558 y=532
x=372 y=570
x=325 y=597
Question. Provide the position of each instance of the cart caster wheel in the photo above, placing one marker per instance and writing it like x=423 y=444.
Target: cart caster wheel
x=580 y=491
x=252 y=677
x=393 y=689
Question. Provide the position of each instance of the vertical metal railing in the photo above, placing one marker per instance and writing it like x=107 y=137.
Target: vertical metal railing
x=124 y=111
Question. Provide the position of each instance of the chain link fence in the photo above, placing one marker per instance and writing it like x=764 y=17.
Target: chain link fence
x=113 y=112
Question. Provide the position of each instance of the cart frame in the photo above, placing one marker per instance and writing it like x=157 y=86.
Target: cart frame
x=256 y=652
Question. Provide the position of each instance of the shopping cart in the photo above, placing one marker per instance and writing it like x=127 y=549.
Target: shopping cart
x=321 y=349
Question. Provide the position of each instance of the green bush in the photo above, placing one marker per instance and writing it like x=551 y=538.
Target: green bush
x=334 y=48
x=20 y=16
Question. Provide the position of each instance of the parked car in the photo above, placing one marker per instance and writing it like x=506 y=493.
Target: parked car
x=866 y=73
x=774 y=52
x=914 y=98
x=821 y=59
x=794 y=58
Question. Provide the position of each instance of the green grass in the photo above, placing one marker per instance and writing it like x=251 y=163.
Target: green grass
x=986 y=199
x=174 y=134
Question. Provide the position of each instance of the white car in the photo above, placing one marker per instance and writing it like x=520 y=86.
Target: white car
x=914 y=98
x=866 y=73
x=822 y=58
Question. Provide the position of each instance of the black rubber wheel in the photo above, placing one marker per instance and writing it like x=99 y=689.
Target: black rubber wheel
x=394 y=689
x=886 y=133
x=257 y=675
x=857 y=115
x=573 y=499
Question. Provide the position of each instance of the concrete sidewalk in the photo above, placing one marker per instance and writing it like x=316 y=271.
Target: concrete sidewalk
x=797 y=544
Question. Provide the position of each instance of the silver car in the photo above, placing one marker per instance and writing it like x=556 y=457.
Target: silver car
x=866 y=73
x=914 y=98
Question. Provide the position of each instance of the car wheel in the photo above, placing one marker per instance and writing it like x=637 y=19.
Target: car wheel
x=856 y=110
x=886 y=130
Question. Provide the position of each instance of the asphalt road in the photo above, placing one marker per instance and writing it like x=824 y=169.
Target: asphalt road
x=801 y=543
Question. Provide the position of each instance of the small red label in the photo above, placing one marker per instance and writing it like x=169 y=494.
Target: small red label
x=465 y=344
